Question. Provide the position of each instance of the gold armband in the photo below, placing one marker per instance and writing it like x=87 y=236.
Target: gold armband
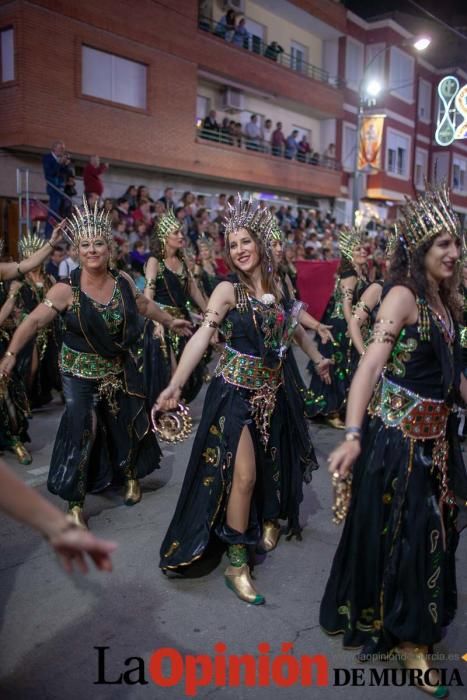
x=348 y=293
x=360 y=305
x=51 y=305
x=209 y=324
x=210 y=311
x=382 y=336
x=150 y=283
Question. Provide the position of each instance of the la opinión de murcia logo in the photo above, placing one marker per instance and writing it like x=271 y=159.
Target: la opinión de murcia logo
x=168 y=668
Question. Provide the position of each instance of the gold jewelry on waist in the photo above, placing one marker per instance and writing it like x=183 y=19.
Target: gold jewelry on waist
x=89 y=365
x=417 y=417
x=248 y=372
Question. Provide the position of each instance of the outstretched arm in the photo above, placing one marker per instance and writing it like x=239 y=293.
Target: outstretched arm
x=322 y=364
x=71 y=544
x=57 y=300
x=9 y=305
x=11 y=271
x=397 y=310
x=221 y=301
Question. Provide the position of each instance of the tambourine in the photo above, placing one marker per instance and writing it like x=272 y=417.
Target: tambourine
x=172 y=426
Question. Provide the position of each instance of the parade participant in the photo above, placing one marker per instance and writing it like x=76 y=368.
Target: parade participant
x=392 y=582
x=364 y=312
x=209 y=274
x=14 y=405
x=104 y=433
x=171 y=284
x=38 y=363
x=246 y=468
x=70 y=542
x=350 y=283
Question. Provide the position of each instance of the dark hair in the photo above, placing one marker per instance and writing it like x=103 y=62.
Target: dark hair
x=346 y=266
x=267 y=266
x=417 y=281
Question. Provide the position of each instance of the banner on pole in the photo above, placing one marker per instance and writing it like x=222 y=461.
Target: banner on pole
x=370 y=142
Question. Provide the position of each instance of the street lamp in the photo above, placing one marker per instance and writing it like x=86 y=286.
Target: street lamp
x=371 y=90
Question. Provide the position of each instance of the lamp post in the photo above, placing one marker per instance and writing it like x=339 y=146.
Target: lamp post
x=367 y=93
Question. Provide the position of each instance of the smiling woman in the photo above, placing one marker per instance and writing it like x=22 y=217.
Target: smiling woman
x=252 y=449
x=104 y=433
x=392 y=582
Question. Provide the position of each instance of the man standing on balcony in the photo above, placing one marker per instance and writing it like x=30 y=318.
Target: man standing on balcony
x=291 y=145
x=56 y=165
x=210 y=128
x=278 y=140
x=253 y=134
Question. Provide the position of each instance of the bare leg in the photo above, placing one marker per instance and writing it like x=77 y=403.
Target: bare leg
x=244 y=477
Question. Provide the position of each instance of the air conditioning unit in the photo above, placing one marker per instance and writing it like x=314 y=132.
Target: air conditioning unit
x=232 y=100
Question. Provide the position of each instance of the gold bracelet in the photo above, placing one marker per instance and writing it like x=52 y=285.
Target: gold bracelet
x=210 y=324
x=10 y=353
x=51 y=305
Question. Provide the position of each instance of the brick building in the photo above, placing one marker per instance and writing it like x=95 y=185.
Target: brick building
x=133 y=81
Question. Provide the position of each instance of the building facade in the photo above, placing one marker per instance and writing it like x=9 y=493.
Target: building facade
x=134 y=82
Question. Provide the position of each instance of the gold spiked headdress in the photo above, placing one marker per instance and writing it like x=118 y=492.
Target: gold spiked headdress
x=392 y=241
x=428 y=215
x=88 y=224
x=29 y=244
x=349 y=240
x=276 y=232
x=166 y=224
x=256 y=220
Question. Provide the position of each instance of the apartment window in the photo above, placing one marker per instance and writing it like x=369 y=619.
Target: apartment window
x=424 y=100
x=375 y=58
x=257 y=35
x=202 y=107
x=401 y=74
x=7 y=55
x=113 y=78
x=440 y=167
x=354 y=58
x=421 y=168
x=397 y=153
x=298 y=57
x=349 y=146
x=459 y=179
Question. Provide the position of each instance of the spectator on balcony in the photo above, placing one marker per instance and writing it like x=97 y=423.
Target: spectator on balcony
x=329 y=156
x=92 y=176
x=210 y=127
x=226 y=136
x=291 y=145
x=253 y=134
x=226 y=26
x=273 y=51
x=314 y=158
x=240 y=37
x=56 y=166
x=69 y=191
x=267 y=135
x=303 y=150
x=237 y=134
x=277 y=140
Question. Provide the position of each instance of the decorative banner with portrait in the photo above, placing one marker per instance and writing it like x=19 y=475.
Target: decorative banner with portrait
x=370 y=142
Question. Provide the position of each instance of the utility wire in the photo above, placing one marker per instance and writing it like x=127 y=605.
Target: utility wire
x=437 y=19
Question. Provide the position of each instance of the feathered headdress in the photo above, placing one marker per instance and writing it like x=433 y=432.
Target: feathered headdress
x=349 y=240
x=244 y=214
x=428 y=215
x=88 y=224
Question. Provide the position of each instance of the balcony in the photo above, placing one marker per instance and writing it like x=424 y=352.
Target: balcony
x=272 y=52
x=236 y=158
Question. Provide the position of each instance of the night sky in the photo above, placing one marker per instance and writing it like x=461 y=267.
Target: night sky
x=451 y=11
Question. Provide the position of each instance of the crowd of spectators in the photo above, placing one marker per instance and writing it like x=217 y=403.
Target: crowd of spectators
x=257 y=136
x=309 y=234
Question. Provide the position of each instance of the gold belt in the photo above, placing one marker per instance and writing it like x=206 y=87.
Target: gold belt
x=416 y=416
x=249 y=372
x=88 y=365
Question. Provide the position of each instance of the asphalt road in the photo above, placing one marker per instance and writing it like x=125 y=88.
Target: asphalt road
x=52 y=623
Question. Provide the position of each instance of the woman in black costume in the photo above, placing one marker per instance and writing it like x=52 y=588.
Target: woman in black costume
x=169 y=282
x=14 y=405
x=104 y=433
x=252 y=448
x=38 y=362
x=350 y=284
x=392 y=582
